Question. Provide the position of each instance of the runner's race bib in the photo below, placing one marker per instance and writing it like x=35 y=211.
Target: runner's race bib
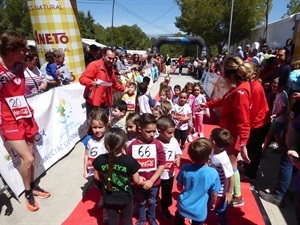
x=19 y=107
x=146 y=156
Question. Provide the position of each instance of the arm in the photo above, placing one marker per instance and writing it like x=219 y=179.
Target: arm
x=213 y=200
x=88 y=77
x=148 y=184
x=137 y=179
x=85 y=160
x=177 y=160
x=228 y=193
x=53 y=71
x=179 y=187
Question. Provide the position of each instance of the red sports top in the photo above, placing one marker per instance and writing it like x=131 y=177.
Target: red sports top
x=235 y=111
x=102 y=94
x=11 y=84
x=259 y=109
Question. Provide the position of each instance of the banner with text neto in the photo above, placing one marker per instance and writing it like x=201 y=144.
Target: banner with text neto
x=55 y=26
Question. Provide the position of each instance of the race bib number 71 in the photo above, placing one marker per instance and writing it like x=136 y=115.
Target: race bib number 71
x=146 y=156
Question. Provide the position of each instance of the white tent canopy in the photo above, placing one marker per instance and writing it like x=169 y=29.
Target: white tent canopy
x=89 y=42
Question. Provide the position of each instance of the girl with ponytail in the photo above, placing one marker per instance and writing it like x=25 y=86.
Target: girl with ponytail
x=116 y=169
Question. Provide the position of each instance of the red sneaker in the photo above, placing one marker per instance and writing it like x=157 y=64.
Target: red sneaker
x=40 y=193
x=31 y=203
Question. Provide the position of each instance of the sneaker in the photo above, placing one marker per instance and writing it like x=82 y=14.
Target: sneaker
x=141 y=222
x=201 y=135
x=105 y=216
x=182 y=147
x=40 y=193
x=195 y=134
x=166 y=214
x=31 y=203
x=271 y=198
x=246 y=179
x=179 y=74
x=190 y=139
x=237 y=202
x=152 y=222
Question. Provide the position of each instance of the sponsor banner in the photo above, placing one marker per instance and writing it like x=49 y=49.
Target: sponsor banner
x=55 y=26
x=60 y=114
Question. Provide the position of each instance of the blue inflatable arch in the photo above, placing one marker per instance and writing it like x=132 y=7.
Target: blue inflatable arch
x=178 y=41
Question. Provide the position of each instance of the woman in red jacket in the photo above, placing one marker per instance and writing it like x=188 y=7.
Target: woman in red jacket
x=259 y=124
x=235 y=116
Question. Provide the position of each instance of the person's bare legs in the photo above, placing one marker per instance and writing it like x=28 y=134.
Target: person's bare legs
x=25 y=149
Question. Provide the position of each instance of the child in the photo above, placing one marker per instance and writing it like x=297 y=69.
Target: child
x=166 y=128
x=149 y=83
x=130 y=98
x=198 y=116
x=168 y=80
x=51 y=69
x=145 y=101
x=221 y=139
x=115 y=170
x=177 y=90
x=189 y=88
x=140 y=77
x=94 y=141
x=94 y=146
x=158 y=111
x=149 y=152
x=118 y=114
x=280 y=114
x=168 y=105
x=132 y=127
x=164 y=95
x=200 y=183
x=181 y=113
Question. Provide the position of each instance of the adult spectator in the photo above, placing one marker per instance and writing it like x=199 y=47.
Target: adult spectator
x=92 y=54
x=235 y=115
x=240 y=52
x=276 y=197
x=35 y=81
x=18 y=126
x=61 y=67
x=289 y=45
x=284 y=68
x=259 y=124
x=180 y=61
x=99 y=79
x=168 y=64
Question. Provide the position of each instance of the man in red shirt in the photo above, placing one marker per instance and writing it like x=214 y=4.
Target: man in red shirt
x=181 y=61
x=99 y=79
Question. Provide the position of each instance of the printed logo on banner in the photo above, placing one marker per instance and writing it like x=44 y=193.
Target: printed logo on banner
x=64 y=110
x=13 y=160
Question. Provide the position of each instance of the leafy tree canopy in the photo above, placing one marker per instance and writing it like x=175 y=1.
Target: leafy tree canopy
x=292 y=8
x=210 y=19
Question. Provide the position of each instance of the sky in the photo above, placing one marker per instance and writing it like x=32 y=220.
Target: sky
x=154 y=17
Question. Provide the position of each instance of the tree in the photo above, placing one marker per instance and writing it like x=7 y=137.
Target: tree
x=210 y=19
x=293 y=7
x=86 y=25
x=15 y=17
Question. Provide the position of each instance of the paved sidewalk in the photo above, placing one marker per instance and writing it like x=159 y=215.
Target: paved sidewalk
x=65 y=182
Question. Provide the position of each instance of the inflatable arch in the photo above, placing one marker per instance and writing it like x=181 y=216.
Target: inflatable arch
x=178 y=41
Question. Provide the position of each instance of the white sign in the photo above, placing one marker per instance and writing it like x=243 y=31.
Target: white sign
x=146 y=156
x=60 y=114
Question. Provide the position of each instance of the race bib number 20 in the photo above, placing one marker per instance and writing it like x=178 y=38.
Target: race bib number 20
x=146 y=156
x=19 y=107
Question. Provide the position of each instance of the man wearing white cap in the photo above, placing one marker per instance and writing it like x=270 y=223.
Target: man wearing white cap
x=240 y=52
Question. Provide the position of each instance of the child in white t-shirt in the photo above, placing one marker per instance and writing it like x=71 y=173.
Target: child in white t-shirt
x=221 y=139
x=181 y=113
x=166 y=128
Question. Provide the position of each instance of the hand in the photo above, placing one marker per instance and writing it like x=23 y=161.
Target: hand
x=202 y=106
x=212 y=206
x=148 y=184
x=142 y=180
x=296 y=96
x=273 y=117
x=228 y=197
x=244 y=154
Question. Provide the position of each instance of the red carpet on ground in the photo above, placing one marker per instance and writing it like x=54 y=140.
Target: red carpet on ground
x=87 y=212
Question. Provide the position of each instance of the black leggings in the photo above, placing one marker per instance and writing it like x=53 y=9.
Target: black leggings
x=181 y=136
x=114 y=214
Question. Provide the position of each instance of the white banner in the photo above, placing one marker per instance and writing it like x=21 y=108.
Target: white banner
x=209 y=82
x=60 y=114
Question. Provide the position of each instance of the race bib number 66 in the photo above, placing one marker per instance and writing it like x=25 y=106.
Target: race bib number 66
x=146 y=156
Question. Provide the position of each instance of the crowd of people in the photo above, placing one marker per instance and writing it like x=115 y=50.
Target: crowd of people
x=134 y=141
